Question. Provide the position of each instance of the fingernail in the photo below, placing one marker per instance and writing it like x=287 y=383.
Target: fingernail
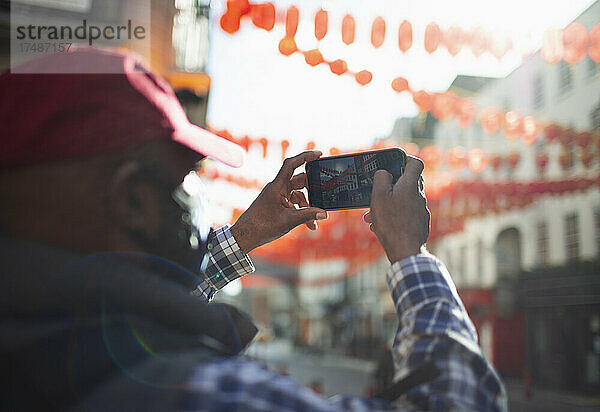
x=321 y=215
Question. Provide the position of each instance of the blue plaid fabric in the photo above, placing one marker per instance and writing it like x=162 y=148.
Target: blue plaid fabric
x=433 y=326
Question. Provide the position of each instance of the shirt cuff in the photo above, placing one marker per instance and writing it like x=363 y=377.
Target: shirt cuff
x=226 y=262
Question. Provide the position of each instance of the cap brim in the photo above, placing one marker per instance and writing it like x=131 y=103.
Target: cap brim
x=210 y=145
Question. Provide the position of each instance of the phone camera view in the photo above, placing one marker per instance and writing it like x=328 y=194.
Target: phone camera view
x=346 y=182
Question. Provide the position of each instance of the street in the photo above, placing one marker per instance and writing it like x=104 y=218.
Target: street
x=338 y=375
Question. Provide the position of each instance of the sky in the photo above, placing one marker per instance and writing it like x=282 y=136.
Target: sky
x=259 y=92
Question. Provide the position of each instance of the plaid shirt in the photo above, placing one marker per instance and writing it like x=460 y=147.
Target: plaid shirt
x=433 y=326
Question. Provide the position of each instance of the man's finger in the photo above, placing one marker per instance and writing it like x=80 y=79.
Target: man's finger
x=299 y=181
x=290 y=164
x=367 y=217
x=299 y=198
x=382 y=182
x=412 y=170
x=305 y=215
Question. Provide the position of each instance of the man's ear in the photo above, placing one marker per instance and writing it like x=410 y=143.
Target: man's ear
x=133 y=202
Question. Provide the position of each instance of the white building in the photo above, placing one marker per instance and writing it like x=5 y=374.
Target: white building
x=538 y=264
x=568 y=95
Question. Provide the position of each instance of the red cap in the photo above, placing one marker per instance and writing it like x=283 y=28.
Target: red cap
x=94 y=101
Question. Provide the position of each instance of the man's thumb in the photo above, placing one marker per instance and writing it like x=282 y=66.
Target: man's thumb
x=308 y=214
x=382 y=181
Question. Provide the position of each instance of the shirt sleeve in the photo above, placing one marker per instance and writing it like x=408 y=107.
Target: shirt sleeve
x=435 y=327
x=226 y=262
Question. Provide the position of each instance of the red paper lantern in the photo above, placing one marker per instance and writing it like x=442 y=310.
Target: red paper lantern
x=334 y=151
x=456 y=158
x=575 y=42
x=478 y=160
x=433 y=37
x=513 y=160
x=479 y=41
x=587 y=158
x=263 y=15
x=513 y=125
x=431 y=156
x=552 y=46
x=500 y=45
x=496 y=162
x=565 y=159
x=465 y=112
x=230 y=22
x=285 y=144
x=378 y=32
x=400 y=84
x=552 y=132
x=594 y=50
x=443 y=105
x=405 y=37
x=363 y=77
x=491 y=119
x=313 y=57
x=225 y=135
x=265 y=144
x=348 y=29
x=584 y=139
x=287 y=46
x=310 y=145
x=320 y=24
x=452 y=39
x=382 y=144
x=338 y=67
x=411 y=149
x=245 y=142
x=531 y=130
x=238 y=6
x=292 y=17
x=424 y=100
x=568 y=136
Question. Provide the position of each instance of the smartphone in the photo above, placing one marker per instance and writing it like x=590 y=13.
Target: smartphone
x=346 y=181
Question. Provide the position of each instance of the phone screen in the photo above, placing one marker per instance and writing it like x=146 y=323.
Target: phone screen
x=346 y=181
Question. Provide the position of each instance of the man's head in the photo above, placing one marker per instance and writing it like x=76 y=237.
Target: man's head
x=91 y=165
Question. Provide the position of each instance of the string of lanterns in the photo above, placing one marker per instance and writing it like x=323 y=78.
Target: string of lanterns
x=456 y=158
x=345 y=235
x=572 y=44
x=443 y=106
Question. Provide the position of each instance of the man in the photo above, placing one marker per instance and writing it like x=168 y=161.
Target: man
x=90 y=167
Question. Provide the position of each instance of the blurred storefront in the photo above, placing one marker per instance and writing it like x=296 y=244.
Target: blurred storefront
x=562 y=307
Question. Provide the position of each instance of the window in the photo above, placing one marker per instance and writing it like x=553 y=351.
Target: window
x=595 y=117
x=538 y=92
x=480 y=258
x=190 y=34
x=572 y=236
x=462 y=265
x=565 y=77
x=592 y=67
x=450 y=266
x=542 y=243
x=597 y=227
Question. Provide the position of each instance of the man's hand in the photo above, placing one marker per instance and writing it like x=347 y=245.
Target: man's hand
x=399 y=215
x=274 y=211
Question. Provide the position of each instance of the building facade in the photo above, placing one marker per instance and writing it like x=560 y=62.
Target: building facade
x=530 y=276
